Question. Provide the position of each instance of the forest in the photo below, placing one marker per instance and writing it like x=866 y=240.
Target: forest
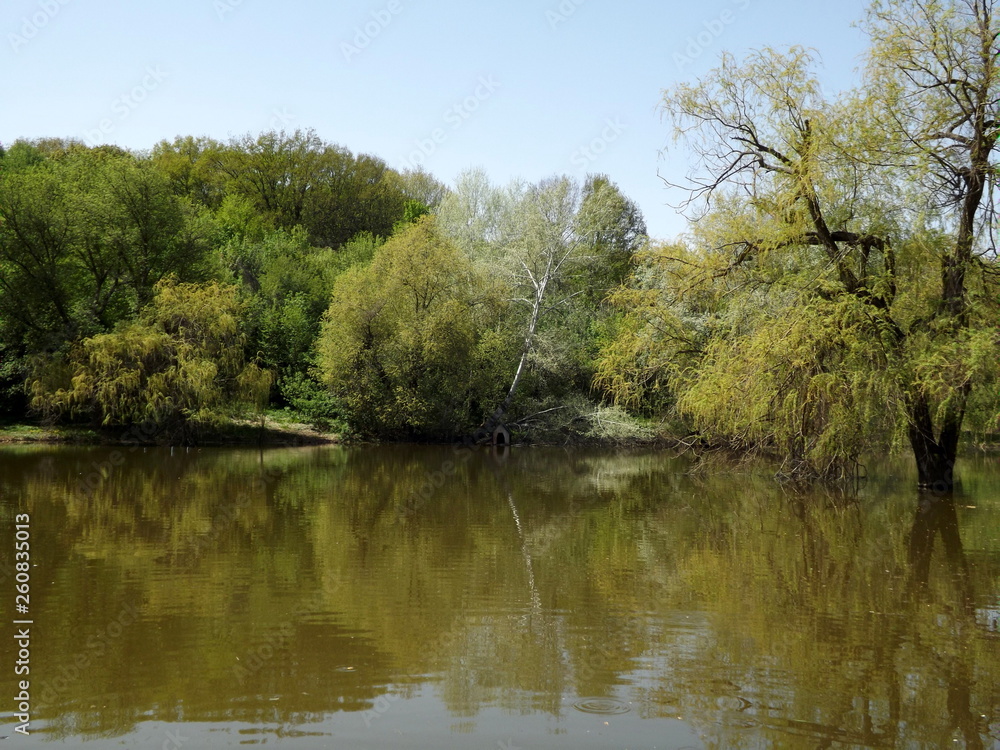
x=203 y=281
x=836 y=295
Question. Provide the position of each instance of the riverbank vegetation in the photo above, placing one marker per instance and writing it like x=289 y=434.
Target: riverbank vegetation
x=838 y=294
x=203 y=282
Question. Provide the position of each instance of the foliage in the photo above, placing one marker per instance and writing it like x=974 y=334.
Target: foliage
x=664 y=325
x=403 y=343
x=422 y=187
x=179 y=365
x=357 y=251
x=313 y=401
x=188 y=163
x=296 y=179
x=83 y=240
x=86 y=234
x=840 y=292
x=554 y=251
x=814 y=385
x=19 y=156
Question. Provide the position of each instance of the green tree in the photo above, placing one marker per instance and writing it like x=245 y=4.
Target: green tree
x=422 y=186
x=180 y=366
x=664 y=322
x=286 y=285
x=151 y=232
x=554 y=252
x=286 y=291
x=840 y=292
x=188 y=163
x=614 y=227
x=296 y=179
x=20 y=155
x=406 y=343
x=936 y=89
x=83 y=240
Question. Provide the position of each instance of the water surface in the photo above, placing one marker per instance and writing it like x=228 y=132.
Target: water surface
x=422 y=597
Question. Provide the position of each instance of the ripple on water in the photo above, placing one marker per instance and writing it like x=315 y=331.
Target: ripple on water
x=604 y=706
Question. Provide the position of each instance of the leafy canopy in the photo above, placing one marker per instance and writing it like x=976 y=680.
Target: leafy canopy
x=179 y=365
x=406 y=344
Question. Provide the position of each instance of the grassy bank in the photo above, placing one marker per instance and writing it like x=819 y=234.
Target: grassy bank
x=271 y=432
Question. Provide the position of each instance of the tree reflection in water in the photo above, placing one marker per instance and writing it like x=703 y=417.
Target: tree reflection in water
x=534 y=586
x=936 y=517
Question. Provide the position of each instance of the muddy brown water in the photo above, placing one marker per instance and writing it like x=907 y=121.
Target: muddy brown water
x=425 y=597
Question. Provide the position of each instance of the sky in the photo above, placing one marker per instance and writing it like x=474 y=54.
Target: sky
x=524 y=89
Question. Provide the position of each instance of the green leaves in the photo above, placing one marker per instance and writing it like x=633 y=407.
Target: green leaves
x=178 y=366
x=401 y=344
x=83 y=240
x=839 y=291
x=296 y=179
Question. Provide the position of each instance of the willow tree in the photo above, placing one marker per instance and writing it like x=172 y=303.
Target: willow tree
x=178 y=366
x=936 y=89
x=844 y=251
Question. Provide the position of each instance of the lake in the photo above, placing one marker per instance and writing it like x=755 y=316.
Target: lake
x=430 y=597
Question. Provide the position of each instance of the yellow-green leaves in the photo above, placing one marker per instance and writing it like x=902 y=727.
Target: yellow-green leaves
x=402 y=343
x=180 y=364
x=844 y=261
x=811 y=384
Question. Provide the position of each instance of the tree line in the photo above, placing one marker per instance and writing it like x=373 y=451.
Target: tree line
x=204 y=280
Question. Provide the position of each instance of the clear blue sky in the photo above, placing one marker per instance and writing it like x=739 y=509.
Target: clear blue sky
x=519 y=87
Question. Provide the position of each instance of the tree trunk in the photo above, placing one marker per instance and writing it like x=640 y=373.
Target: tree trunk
x=936 y=456
x=497 y=417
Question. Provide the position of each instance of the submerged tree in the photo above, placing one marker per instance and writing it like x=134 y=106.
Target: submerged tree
x=841 y=289
x=937 y=94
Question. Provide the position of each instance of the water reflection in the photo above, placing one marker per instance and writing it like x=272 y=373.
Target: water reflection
x=427 y=597
x=937 y=517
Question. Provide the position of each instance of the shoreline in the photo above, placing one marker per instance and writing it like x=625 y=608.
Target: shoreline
x=281 y=434
x=273 y=433
x=230 y=434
